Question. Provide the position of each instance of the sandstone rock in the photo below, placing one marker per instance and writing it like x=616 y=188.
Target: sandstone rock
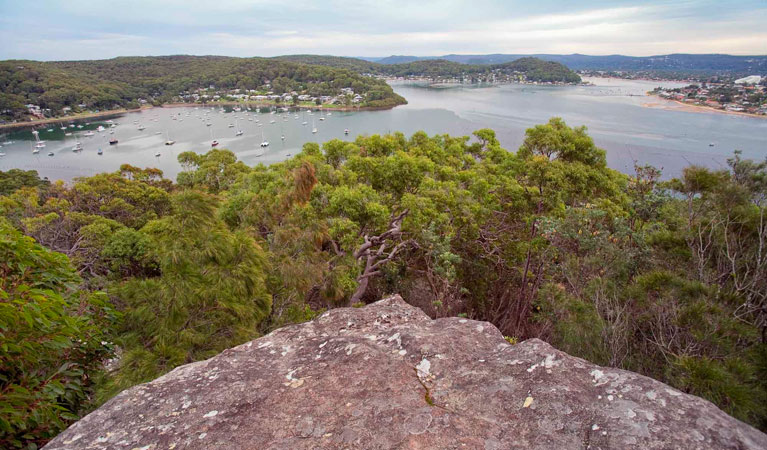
x=388 y=377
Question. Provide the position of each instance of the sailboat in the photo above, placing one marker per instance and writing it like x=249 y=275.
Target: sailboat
x=215 y=142
x=169 y=141
x=39 y=144
x=314 y=128
x=264 y=142
x=78 y=147
x=239 y=131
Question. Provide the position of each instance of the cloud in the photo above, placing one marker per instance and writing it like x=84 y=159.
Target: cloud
x=79 y=29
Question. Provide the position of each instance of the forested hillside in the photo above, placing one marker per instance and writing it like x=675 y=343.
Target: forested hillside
x=668 y=279
x=529 y=69
x=678 y=62
x=105 y=84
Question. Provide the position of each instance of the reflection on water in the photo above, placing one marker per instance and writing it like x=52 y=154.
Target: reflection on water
x=612 y=110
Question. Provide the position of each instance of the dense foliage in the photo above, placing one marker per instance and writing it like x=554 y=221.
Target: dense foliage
x=668 y=279
x=105 y=84
x=51 y=340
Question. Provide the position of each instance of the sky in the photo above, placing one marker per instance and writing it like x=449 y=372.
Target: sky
x=86 y=29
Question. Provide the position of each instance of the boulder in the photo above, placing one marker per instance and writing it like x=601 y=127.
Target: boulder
x=386 y=376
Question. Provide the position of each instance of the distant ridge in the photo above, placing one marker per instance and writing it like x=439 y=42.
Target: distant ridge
x=756 y=64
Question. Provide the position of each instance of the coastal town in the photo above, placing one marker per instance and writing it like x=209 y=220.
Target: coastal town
x=345 y=97
x=746 y=95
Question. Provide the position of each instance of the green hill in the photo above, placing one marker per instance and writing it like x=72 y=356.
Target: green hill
x=119 y=82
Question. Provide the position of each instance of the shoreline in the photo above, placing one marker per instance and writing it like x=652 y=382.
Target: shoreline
x=676 y=105
x=312 y=107
x=118 y=112
x=53 y=120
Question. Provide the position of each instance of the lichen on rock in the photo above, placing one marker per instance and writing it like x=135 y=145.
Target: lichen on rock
x=388 y=377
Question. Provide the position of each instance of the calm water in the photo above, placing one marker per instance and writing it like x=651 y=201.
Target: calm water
x=612 y=110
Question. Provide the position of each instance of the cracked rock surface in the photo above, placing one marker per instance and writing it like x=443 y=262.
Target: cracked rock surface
x=388 y=377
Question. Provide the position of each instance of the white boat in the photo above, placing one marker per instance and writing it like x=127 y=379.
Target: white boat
x=100 y=152
x=63 y=128
x=168 y=139
x=50 y=130
x=89 y=133
x=213 y=142
x=314 y=128
x=157 y=153
x=50 y=153
x=67 y=134
x=78 y=147
x=346 y=131
x=100 y=129
x=231 y=125
x=264 y=142
x=141 y=127
x=39 y=144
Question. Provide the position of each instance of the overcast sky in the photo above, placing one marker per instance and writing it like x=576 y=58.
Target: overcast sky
x=85 y=29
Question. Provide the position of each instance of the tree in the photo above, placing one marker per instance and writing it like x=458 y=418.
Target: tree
x=209 y=295
x=15 y=179
x=52 y=337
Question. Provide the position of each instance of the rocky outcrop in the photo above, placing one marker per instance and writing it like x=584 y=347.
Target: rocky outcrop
x=388 y=377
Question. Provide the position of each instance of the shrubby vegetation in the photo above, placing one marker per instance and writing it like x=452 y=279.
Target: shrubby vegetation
x=668 y=279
